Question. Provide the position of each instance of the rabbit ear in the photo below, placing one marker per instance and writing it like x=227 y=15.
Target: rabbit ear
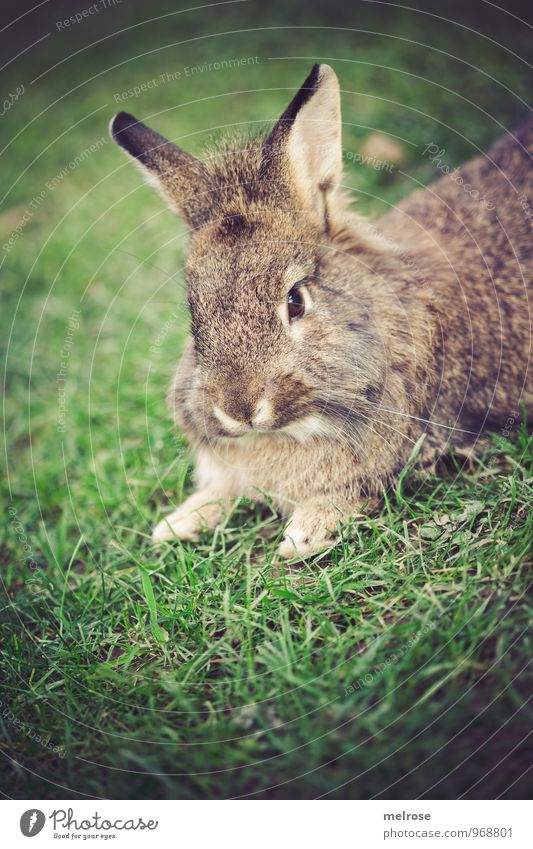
x=308 y=138
x=180 y=177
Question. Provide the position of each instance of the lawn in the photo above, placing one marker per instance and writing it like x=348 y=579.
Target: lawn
x=397 y=666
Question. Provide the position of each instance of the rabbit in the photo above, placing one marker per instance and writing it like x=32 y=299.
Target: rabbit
x=327 y=351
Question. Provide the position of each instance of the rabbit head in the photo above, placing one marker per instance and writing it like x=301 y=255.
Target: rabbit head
x=272 y=321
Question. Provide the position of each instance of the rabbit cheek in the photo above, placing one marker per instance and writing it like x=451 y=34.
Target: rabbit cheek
x=290 y=406
x=308 y=427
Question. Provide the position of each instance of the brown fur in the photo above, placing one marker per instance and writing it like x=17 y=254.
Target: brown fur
x=420 y=323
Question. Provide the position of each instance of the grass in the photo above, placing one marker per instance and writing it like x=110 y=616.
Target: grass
x=396 y=667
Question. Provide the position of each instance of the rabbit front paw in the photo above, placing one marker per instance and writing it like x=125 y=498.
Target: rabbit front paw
x=308 y=532
x=203 y=509
x=178 y=525
x=314 y=526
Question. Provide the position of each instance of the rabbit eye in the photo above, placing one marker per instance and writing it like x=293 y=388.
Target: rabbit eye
x=295 y=303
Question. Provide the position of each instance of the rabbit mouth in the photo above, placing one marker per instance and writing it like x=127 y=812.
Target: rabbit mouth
x=235 y=428
x=279 y=411
x=303 y=429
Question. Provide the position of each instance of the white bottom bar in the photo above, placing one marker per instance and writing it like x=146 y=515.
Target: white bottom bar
x=264 y=824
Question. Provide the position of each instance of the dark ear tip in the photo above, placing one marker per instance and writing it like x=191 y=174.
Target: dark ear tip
x=121 y=122
x=318 y=75
x=314 y=73
x=312 y=78
x=322 y=72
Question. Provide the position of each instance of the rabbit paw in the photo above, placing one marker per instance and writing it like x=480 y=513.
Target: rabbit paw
x=201 y=510
x=305 y=534
x=314 y=527
x=178 y=525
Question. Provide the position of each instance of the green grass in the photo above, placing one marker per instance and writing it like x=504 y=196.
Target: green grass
x=398 y=665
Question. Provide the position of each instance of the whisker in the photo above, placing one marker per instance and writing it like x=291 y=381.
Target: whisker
x=349 y=414
x=379 y=407
x=428 y=421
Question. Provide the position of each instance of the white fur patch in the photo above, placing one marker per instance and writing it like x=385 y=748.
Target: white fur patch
x=207 y=472
x=231 y=425
x=307 y=428
x=263 y=413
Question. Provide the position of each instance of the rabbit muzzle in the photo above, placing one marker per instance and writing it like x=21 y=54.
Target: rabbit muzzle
x=259 y=406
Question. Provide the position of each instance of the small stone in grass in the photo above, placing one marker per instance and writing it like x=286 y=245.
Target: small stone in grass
x=470 y=510
x=430 y=531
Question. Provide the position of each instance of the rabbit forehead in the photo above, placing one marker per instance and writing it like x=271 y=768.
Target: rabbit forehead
x=261 y=261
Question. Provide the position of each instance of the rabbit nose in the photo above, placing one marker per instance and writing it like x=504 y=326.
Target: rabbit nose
x=261 y=418
x=233 y=426
x=234 y=409
x=240 y=399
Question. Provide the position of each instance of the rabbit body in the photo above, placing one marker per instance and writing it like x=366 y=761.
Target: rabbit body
x=408 y=335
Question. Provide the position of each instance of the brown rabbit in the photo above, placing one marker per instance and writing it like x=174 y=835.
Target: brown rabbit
x=325 y=348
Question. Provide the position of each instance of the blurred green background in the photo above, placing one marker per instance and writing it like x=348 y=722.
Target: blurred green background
x=135 y=664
